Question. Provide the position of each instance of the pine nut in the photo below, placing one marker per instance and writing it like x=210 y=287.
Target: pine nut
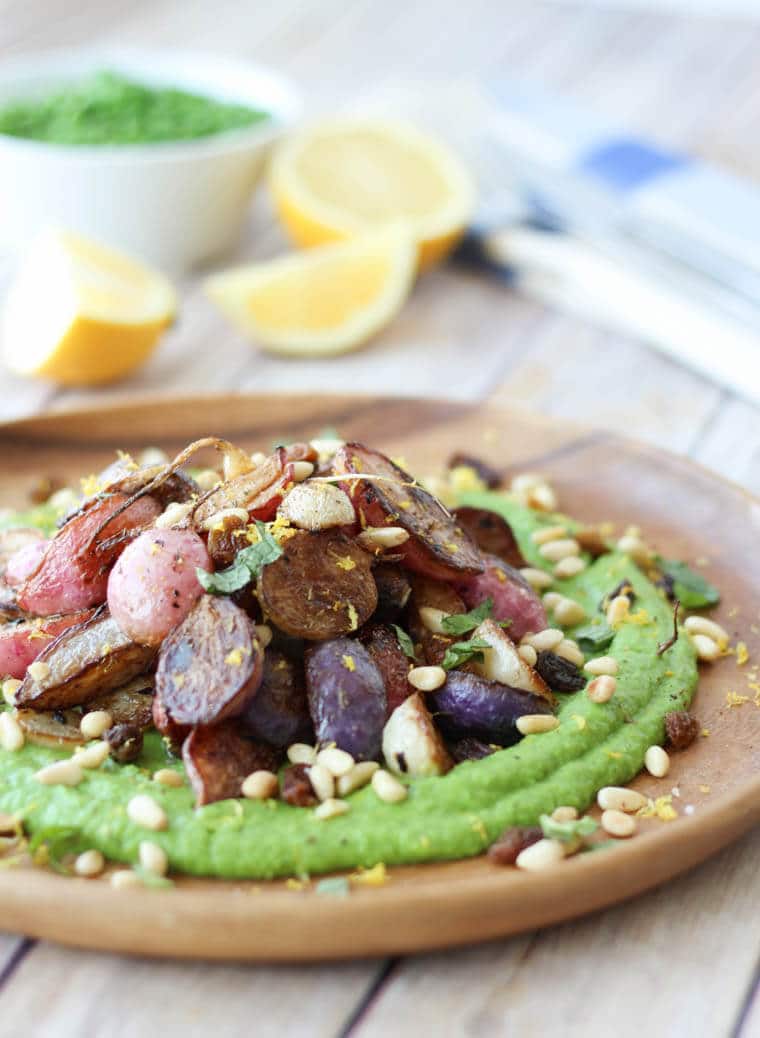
x=330 y=808
x=618 y=824
x=569 y=613
x=433 y=619
x=548 y=533
x=534 y=724
x=388 y=788
x=207 y=479
x=152 y=456
x=95 y=723
x=565 y=814
x=11 y=735
x=542 y=498
x=545 y=641
x=618 y=610
x=62 y=773
x=9 y=825
x=376 y=538
x=322 y=781
x=526 y=481
x=357 y=777
x=258 y=458
x=556 y=550
x=528 y=654
x=300 y=753
x=92 y=756
x=337 y=762
x=568 y=650
x=124 y=878
x=552 y=599
x=635 y=547
x=602 y=665
x=426 y=679
x=144 y=811
x=167 y=777
x=705 y=648
x=89 y=864
x=302 y=470
x=38 y=671
x=10 y=688
x=701 y=625
x=260 y=785
x=569 y=567
x=218 y=518
x=601 y=689
x=657 y=762
x=264 y=634
x=537 y=578
x=619 y=798
x=540 y=855
x=153 y=858
x=175 y=513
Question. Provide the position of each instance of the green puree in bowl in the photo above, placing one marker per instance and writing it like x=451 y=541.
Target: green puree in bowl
x=110 y=109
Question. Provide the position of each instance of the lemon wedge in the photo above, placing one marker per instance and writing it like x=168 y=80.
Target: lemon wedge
x=79 y=313
x=342 y=178
x=328 y=300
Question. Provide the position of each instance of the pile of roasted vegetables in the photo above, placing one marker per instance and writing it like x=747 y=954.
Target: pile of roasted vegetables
x=285 y=603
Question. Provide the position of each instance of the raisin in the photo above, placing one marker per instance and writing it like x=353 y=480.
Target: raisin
x=296 y=788
x=125 y=741
x=471 y=749
x=559 y=674
x=225 y=540
x=512 y=842
x=490 y=476
x=681 y=728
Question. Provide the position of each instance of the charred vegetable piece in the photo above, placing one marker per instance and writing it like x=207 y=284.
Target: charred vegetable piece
x=210 y=666
x=130 y=704
x=471 y=706
x=412 y=745
x=559 y=674
x=225 y=539
x=471 y=749
x=317 y=506
x=58 y=730
x=22 y=643
x=264 y=506
x=300 y=451
x=125 y=742
x=295 y=788
x=437 y=546
x=73 y=572
x=502 y=662
x=279 y=712
x=393 y=592
x=154 y=584
x=513 y=598
x=390 y=660
x=218 y=758
x=485 y=472
x=9 y=607
x=320 y=587
x=124 y=477
x=174 y=734
x=242 y=491
x=347 y=697
x=492 y=534
x=85 y=662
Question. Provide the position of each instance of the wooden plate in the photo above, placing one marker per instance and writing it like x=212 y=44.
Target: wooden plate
x=686 y=511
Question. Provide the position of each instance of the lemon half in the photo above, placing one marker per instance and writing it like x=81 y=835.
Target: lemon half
x=328 y=300
x=346 y=177
x=79 y=313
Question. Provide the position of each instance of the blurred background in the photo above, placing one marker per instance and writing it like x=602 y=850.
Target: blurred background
x=564 y=325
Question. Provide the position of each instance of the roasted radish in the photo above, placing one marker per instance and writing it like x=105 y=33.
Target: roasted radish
x=218 y=759
x=411 y=743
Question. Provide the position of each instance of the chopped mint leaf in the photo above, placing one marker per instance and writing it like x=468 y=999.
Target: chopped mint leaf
x=690 y=588
x=247 y=566
x=566 y=832
x=464 y=622
x=461 y=652
x=405 y=642
x=594 y=636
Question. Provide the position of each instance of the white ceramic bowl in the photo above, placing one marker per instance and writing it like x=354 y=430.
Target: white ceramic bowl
x=173 y=203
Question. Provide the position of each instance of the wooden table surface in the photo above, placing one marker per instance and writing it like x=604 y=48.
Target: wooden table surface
x=683 y=960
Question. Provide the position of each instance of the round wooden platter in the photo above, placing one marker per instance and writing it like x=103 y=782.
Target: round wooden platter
x=687 y=512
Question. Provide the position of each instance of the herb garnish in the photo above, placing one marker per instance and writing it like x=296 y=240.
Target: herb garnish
x=461 y=623
x=407 y=646
x=461 y=652
x=594 y=636
x=690 y=588
x=247 y=566
x=566 y=832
